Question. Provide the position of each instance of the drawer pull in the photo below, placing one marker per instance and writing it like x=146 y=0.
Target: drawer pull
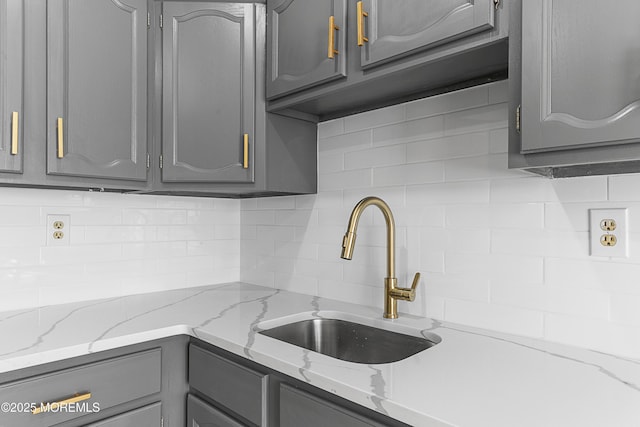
x=332 y=51
x=54 y=405
x=14 y=133
x=361 y=14
x=245 y=157
x=60 y=138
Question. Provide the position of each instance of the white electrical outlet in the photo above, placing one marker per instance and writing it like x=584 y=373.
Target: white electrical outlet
x=609 y=232
x=58 y=230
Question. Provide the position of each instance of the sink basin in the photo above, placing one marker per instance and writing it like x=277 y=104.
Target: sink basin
x=351 y=341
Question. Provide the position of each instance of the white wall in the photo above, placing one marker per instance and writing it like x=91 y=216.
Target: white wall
x=119 y=245
x=498 y=249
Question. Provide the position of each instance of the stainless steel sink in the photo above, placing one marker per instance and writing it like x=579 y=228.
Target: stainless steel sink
x=350 y=341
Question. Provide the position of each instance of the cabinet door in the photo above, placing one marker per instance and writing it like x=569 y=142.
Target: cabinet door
x=580 y=74
x=299 y=408
x=11 y=48
x=200 y=414
x=304 y=50
x=97 y=88
x=400 y=27
x=208 y=92
x=148 y=416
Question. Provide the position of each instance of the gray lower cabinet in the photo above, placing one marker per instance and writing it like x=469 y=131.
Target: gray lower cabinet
x=11 y=60
x=149 y=416
x=299 y=408
x=201 y=414
x=575 y=88
x=137 y=386
x=307 y=44
x=226 y=390
x=97 y=88
x=209 y=91
x=238 y=389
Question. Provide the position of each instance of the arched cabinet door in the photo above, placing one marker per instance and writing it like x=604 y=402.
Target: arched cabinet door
x=580 y=74
x=208 y=92
x=11 y=117
x=391 y=29
x=306 y=43
x=97 y=88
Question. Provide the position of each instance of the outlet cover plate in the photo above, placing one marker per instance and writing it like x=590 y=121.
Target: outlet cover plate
x=56 y=224
x=597 y=231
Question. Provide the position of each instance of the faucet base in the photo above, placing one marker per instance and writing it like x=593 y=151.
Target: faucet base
x=390 y=303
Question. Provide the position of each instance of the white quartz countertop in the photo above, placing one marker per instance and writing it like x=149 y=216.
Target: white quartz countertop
x=472 y=378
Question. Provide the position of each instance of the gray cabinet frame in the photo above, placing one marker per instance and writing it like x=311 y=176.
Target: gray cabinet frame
x=298 y=51
x=553 y=143
x=97 y=89
x=11 y=85
x=208 y=91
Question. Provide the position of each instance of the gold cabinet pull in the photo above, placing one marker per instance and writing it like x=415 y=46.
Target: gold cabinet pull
x=245 y=159
x=14 y=133
x=44 y=407
x=331 y=50
x=361 y=15
x=60 y=138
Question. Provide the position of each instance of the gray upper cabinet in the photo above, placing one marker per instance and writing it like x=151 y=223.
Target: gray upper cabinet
x=390 y=29
x=11 y=55
x=393 y=51
x=580 y=74
x=573 y=82
x=208 y=92
x=97 y=88
x=308 y=44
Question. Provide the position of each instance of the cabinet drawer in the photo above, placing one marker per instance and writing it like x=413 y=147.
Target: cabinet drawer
x=110 y=383
x=200 y=413
x=148 y=416
x=298 y=408
x=236 y=387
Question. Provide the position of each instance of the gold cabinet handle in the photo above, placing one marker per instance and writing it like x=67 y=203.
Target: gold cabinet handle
x=60 y=138
x=331 y=50
x=44 y=407
x=361 y=15
x=245 y=159
x=14 y=133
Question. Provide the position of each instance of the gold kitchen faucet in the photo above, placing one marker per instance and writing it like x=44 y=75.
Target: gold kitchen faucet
x=392 y=293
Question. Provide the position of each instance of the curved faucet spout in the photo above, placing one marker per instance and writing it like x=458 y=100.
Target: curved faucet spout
x=349 y=241
x=392 y=291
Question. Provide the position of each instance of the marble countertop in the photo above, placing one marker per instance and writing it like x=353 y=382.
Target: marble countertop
x=472 y=378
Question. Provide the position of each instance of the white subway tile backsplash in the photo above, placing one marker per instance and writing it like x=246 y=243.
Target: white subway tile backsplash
x=344 y=143
x=448 y=147
x=499 y=249
x=349 y=179
x=477 y=96
x=383 y=156
x=448 y=193
x=375 y=118
x=330 y=128
x=476 y=119
x=624 y=187
x=415 y=173
x=412 y=130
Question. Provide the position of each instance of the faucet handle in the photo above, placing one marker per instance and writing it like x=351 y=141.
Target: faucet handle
x=414 y=285
x=406 y=294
